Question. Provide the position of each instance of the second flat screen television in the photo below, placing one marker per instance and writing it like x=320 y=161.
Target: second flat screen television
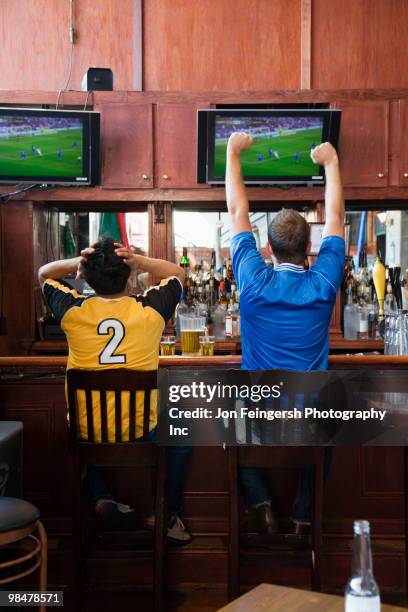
x=280 y=153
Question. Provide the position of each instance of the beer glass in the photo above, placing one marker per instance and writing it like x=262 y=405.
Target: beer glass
x=207 y=344
x=191 y=328
x=167 y=346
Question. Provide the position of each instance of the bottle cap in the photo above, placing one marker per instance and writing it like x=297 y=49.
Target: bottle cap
x=361 y=527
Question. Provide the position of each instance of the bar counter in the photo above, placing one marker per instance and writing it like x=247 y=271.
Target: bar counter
x=55 y=363
x=363 y=481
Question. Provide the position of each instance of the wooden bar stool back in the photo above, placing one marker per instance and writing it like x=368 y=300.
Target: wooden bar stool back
x=130 y=453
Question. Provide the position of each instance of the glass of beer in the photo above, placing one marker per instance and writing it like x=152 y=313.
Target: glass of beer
x=167 y=346
x=207 y=344
x=191 y=328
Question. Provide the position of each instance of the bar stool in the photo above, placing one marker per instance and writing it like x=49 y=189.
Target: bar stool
x=143 y=454
x=19 y=522
x=250 y=457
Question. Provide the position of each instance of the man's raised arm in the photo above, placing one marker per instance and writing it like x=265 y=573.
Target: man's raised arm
x=325 y=155
x=237 y=200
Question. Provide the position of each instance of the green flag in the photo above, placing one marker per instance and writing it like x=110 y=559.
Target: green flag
x=109 y=227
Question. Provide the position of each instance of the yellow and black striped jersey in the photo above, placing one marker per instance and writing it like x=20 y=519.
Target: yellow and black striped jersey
x=114 y=333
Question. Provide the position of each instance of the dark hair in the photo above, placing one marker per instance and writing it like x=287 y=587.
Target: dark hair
x=288 y=235
x=104 y=271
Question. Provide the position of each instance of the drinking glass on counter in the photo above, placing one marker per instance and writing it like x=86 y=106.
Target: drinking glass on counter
x=396 y=334
x=207 y=344
x=192 y=327
x=167 y=346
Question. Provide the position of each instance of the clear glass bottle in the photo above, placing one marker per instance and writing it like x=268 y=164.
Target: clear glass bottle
x=362 y=593
x=182 y=309
x=351 y=317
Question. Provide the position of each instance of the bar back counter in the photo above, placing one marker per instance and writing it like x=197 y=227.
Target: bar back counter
x=365 y=482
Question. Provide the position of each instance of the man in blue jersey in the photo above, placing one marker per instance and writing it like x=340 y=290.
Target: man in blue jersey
x=285 y=310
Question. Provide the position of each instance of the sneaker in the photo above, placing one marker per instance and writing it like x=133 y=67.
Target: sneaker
x=114 y=516
x=177 y=533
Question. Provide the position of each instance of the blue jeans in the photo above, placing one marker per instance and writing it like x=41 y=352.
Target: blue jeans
x=255 y=490
x=177 y=458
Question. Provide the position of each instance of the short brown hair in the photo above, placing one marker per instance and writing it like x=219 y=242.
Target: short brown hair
x=288 y=235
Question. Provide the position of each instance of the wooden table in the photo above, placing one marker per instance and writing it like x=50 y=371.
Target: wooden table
x=271 y=598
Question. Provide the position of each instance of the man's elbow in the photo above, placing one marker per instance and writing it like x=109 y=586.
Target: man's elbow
x=180 y=273
x=42 y=277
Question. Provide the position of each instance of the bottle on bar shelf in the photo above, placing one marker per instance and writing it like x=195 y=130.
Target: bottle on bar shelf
x=362 y=593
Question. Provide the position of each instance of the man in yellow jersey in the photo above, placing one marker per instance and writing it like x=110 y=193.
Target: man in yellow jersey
x=116 y=330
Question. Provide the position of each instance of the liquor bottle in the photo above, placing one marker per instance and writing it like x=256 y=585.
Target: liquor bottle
x=182 y=309
x=232 y=320
x=184 y=263
x=229 y=321
x=351 y=316
x=404 y=287
x=389 y=303
x=362 y=593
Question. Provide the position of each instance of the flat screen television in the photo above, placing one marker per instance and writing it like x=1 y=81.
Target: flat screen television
x=283 y=140
x=49 y=146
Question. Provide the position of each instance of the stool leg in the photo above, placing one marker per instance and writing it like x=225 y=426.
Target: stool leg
x=160 y=530
x=233 y=556
x=44 y=558
x=317 y=519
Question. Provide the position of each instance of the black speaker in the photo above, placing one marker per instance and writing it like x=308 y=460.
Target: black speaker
x=97 y=79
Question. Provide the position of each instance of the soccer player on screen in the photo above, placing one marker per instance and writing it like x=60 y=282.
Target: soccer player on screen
x=297 y=158
x=33 y=149
x=270 y=152
x=59 y=154
x=276 y=154
x=23 y=155
x=74 y=145
x=260 y=157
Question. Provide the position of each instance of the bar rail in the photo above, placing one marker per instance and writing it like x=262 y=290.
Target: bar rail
x=233 y=361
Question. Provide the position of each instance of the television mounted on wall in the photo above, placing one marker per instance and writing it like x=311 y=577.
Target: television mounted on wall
x=49 y=146
x=280 y=153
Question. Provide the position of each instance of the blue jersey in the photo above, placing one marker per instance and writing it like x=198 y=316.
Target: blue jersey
x=260 y=157
x=286 y=311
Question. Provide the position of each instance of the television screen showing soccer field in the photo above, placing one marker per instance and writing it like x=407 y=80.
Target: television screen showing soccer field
x=41 y=146
x=281 y=146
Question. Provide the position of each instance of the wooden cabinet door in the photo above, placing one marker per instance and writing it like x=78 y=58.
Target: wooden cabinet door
x=363 y=143
x=403 y=142
x=176 y=148
x=126 y=145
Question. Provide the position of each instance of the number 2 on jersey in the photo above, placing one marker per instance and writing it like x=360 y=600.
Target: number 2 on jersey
x=117 y=329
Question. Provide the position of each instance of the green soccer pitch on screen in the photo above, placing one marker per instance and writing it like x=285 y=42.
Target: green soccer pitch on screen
x=49 y=146
x=282 y=143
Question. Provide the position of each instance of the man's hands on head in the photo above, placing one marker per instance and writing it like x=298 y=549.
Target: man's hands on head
x=85 y=253
x=239 y=142
x=324 y=154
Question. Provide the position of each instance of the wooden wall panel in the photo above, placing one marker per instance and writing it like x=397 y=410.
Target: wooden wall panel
x=17 y=276
x=222 y=45
x=359 y=44
x=36 y=45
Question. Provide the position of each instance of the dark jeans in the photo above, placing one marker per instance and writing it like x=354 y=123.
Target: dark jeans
x=177 y=463
x=255 y=490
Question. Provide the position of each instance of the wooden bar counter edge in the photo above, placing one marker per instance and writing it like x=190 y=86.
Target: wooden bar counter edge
x=228 y=361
